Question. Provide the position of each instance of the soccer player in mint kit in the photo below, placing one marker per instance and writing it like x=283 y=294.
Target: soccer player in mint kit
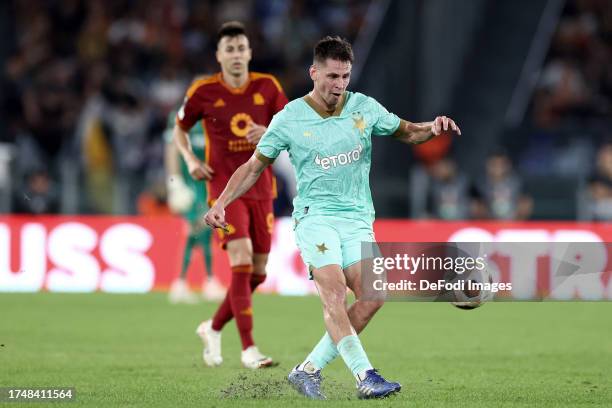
x=328 y=136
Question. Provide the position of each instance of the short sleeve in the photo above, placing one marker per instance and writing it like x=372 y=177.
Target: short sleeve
x=385 y=122
x=190 y=112
x=280 y=101
x=278 y=98
x=275 y=139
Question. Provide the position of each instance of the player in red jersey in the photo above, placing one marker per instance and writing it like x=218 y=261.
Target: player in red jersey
x=235 y=106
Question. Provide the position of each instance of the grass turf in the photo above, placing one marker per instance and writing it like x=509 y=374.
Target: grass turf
x=137 y=350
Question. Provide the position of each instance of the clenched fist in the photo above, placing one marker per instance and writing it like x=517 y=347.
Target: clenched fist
x=215 y=217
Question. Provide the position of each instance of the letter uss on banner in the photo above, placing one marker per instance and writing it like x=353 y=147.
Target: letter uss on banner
x=86 y=254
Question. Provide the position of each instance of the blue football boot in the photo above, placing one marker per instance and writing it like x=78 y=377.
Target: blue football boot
x=375 y=386
x=307 y=384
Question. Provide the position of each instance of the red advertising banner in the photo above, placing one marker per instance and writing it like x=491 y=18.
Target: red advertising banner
x=85 y=254
x=140 y=254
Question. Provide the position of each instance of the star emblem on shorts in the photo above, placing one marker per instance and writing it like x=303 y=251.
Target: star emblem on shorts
x=322 y=248
x=360 y=123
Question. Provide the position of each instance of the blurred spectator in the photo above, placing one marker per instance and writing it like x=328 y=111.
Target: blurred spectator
x=501 y=192
x=572 y=103
x=128 y=123
x=153 y=200
x=600 y=186
x=576 y=80
x=562 y=90
x=450 y=194
x=39 y=195
x=50 y=108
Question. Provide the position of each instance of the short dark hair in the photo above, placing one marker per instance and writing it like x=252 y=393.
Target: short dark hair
x=336 y=48
x=231 y=29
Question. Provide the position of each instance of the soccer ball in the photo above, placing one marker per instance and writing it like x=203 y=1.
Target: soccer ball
x=471 y=297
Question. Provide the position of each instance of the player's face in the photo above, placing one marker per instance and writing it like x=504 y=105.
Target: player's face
x=234 y=54
x=331 y=79
x=498 y=167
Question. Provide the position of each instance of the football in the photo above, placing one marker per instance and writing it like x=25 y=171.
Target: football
x=475 y=291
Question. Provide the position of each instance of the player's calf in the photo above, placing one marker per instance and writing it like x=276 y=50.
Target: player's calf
x=361 y=312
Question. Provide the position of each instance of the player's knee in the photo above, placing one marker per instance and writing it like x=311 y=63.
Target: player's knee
x=240 y=260
x=240 y=255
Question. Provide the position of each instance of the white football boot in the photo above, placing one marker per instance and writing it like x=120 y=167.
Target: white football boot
x=180 y=293
x=252 y=358
x=214 y=291
x=212 y=344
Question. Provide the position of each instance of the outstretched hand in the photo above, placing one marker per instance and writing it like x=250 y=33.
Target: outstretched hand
x=442 y=124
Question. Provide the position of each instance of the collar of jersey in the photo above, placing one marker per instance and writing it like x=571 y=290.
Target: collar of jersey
x=230 y=88
x=323 y=114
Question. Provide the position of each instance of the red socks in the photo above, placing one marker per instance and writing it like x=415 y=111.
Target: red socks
x=223 y=315
x=237 y=303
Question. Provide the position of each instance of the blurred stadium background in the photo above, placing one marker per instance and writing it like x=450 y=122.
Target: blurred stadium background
x=87 y=86
x=85 y=90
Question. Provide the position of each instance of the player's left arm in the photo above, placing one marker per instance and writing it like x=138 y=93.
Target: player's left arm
x=417 y=133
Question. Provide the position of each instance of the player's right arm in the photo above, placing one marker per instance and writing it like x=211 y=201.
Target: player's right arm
x=190 y=112
x=241 y=181
x=197 y=168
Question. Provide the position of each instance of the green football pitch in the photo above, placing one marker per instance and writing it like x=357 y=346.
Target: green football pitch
x=137 y=350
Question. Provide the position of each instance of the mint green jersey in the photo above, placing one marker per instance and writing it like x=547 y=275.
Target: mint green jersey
x=196 y=138
x=332 y=155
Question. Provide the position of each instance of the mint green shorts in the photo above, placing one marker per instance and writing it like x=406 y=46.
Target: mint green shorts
x=329 y=239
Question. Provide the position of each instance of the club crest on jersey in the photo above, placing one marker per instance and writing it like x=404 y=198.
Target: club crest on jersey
x=341 y=159
x=239 y=124
x=360 y=123
x=258 y=99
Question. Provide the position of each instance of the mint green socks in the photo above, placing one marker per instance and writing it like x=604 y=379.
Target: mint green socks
x=354 y=355
x=324 y=352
